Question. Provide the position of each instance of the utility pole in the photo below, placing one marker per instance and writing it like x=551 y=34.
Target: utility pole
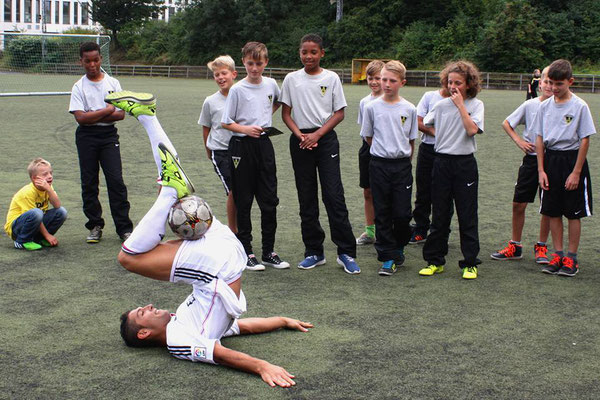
x=339 y=12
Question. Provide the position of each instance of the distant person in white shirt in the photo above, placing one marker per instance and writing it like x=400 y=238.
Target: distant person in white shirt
x=213 y=265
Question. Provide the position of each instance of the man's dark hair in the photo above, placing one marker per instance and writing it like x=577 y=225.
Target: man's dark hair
x=88 y=46
x=560 y=70
x=129 y=330
x=312 y=37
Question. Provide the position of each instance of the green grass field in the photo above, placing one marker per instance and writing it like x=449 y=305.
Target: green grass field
x=512 y=333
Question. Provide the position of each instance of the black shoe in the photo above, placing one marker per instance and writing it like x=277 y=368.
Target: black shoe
x=253 y=265
x=554 y=266
x=569 y=267
x=273 y=260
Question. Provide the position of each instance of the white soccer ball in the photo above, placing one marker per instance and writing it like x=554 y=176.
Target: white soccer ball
x=190 y=217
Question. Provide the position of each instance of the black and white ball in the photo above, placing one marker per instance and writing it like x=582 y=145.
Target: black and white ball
x=190 y=217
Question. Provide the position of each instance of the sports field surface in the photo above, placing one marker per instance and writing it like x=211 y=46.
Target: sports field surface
x=512 y=333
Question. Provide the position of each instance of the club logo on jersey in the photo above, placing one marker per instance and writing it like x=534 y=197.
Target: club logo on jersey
x=39 y=205
x=270 y=99
x=568 y=119
x=236 y=161
x=190 y=300
x=199 y=352
x=323 y=90
x=403 y=118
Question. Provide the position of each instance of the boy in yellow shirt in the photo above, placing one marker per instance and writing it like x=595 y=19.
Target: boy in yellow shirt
x=29 y=222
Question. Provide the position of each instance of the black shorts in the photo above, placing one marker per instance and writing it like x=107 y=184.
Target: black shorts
x=364 y=159
x=221 y=162
x=557 y=201
x=527 y=181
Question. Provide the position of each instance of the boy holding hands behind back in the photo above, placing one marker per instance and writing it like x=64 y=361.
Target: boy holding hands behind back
x=390 y=127
x=248 y=110
x=313 y=105
x=563 y=126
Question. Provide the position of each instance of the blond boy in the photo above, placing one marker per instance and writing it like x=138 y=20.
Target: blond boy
x=29 y=222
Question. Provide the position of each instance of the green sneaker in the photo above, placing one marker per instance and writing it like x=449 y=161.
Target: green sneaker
x=431 y=270
x=469 y=273
x=172 y=174
x=45 y=243
x=27 y=246
x=135 y=104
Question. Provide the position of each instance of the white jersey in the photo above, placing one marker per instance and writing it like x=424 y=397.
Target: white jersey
x=425 y=105
x=87 y=95
x=250 y=104
x=361 y=106
x=563 y=125
x=524 y=115
x=211 y=115
x=392 y=127
x=313 y=98
x=450 y=134
x=210 y=311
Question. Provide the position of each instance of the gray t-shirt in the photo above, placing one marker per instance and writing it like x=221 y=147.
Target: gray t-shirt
x=87 y=95
x=563 y=125
x=524 y=115
x=313 y=98
x=425 y=105
x=212 y=112
x=361 y=106
x=450 y=133
x=250 y=104
x=392 y=127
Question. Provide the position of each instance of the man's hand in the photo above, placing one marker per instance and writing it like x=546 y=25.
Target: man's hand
x=296 y=324
x=41 y=184
x=543 y=180
x=572 y=181
x=457 y=99
x=274 y=375
x=52 y=240
x=310 y=141
x=252 y=131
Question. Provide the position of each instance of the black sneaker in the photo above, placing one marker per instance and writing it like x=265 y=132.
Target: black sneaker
x=95 y=235
x=554 y=266
x=569 y=267
x=125 y=236
x=253 y=265
x=273 y=260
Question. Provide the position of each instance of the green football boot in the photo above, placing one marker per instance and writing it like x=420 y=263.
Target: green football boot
x=135 y=104
x=172 y=174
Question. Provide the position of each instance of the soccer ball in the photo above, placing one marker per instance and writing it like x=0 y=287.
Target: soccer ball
x=190 y=217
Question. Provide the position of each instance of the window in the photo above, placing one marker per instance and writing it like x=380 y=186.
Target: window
x=85 y=19
x=47 y=11
x=56 y=12
x=66 y=13
x=7 y=10
x=27 y=10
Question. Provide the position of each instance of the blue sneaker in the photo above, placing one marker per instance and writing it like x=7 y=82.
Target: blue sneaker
x=312 y=261
x=388 y=268
x=350 y=266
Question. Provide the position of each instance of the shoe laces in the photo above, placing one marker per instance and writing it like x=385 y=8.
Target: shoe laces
x=346 y=257
x=418 y=238
x=472 y=269
x=388 y=264
x=509 y=250
x=568 y=262
x=556 y=260
x=541 y=251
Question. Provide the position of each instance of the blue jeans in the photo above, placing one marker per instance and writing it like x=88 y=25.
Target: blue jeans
x=26 y=228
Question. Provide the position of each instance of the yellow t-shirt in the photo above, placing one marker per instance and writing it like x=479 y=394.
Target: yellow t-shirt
x=25 y=199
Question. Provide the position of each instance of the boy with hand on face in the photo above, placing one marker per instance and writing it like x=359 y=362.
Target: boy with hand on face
x=98 y=144
x=29 y=222
x=313 y=105
x=248 y=111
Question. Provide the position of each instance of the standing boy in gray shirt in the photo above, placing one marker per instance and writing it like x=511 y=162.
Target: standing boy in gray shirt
x=563 y=125
x=390 y=127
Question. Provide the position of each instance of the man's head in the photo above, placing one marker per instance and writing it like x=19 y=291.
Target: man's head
x=311 y=52
x=144 y=326
x=40 y=168
x=392 y=77
x=461 y=76
x=536 y=73
x=90 y=59
x=224 y=73
x=545 y=86
x=373 y=72
x=255 y=58
x=560 y=75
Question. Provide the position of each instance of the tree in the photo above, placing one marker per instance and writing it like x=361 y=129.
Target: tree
x=113 y=15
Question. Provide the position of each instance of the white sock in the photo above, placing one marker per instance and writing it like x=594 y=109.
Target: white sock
x=157 y=135
x=151 y=229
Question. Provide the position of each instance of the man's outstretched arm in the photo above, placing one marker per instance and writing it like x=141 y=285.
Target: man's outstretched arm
x=273 y=375
x=261 y=325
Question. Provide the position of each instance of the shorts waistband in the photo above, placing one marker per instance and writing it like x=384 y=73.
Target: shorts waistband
x=245 y=137
x=311 y=130
x=391 y=160
x=454 y=156
x=430 y=145
x=562 y=152
x=96 y=129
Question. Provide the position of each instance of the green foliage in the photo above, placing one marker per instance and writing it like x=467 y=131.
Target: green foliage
x=32 y=54
x=417 y=43
x=457 y=40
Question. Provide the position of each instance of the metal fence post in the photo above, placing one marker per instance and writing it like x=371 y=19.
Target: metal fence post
x=425 y=78
x=593 y=83
x=520 y=81
x=487 y=84
x=133 y=72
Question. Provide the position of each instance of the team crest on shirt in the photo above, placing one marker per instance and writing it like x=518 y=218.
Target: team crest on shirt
x=270 y=99
x=39 y=205
x=199 y=352
x=568 y=119
x=403 y=118
x=323 y=90
x=236 y=161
